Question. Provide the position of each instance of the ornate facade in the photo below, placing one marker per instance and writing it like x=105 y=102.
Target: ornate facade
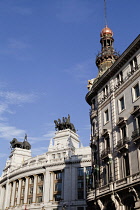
x=114 y=97
x=55 y=180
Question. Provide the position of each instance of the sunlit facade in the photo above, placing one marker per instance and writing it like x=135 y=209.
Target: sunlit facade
x=114 y=97
x=58 y=179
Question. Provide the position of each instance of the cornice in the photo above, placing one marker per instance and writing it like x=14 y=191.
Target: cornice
x=34 y=169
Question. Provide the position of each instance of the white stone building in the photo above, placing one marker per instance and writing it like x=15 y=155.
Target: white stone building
x=114 y=97
x=55 y=180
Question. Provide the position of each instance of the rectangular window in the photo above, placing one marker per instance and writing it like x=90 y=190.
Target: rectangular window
x=39 y=199
x=23 y=182
x=40 y=189
x=105 y=91
x=93 y=106
x=57 y=185
x=89 y=178
x=58 y=175
x=21 y=201
x=106 y=116
x=119 y=78
x=107 y=143
x=30 y=200
x=136 y=92
x=133 y=64
x=125 y=169
x=22 y=191
x=138 y=122
x=31 y=180
x=93 y=129
x=80 y=183
x=64 y=154
x=121 y=104
x=123 y=132
x=59 y=155
x=53 y=156
x=40 y=178
x=80 y=172
x=30 y=190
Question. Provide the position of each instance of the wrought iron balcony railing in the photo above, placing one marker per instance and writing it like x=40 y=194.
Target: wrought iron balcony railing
x=106 y=153
x=93 y=113
x=122 y=144
x=136 y=135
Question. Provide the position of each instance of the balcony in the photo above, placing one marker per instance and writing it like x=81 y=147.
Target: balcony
x=105 y=133
x=121 y=122
x=122 y=145
x=136 y=136
x=93 y=114
x=136 y=111
x=106 y=154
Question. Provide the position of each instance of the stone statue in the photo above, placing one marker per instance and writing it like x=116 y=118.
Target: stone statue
x=64 y=124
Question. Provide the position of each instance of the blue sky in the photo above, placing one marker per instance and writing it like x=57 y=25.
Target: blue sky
x=47 y=54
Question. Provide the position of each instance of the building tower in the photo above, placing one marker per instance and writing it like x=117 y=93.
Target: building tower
x=114 y=98
x=108 y=55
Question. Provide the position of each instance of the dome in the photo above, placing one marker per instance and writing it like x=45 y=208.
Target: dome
x=106 y=31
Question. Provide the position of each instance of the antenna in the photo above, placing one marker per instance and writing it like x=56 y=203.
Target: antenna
x=105 y=12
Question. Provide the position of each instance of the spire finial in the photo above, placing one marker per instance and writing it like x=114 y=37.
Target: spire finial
x=105 y=12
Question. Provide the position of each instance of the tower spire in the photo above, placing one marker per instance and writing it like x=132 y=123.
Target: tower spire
x=108 y=55
x=105 y=12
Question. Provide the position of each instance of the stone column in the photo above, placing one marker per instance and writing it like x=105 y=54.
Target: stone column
x=19 y=192
x=34 y=188
x=13 y=193
x=46 y=187
x=26 y=190
x=2 y=196
x=7 y=195
x=51 y=186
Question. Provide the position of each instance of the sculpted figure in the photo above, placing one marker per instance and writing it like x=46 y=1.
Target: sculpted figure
x=18 y=144
x=64 y=124
x=56 y=124
x=15 y=143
